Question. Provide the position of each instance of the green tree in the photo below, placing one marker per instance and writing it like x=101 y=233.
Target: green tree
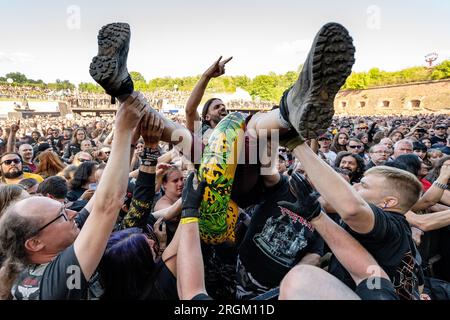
x=441 y=71
x=242 y=81
x=61 y=85
x=137 y=76
x=356 y=81
x=90 y=87
x=17 y=77
x=263 y=87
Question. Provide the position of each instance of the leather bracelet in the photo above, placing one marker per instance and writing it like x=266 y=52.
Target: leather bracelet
x=150 y=157
x=190 y=213
x=440 y=185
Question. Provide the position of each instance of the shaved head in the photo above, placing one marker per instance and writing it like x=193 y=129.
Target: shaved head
x=35 y=206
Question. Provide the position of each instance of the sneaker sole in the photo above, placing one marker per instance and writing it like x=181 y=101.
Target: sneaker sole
x=331 y=64
x=113 y=42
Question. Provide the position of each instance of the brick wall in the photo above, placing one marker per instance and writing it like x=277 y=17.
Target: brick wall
x=405 y=99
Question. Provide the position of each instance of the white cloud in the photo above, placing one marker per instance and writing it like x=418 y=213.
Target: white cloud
x=5 y=58
x=294 y=47
x=16 y=57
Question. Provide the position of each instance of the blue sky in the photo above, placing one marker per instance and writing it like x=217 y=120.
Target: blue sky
x=57 y=39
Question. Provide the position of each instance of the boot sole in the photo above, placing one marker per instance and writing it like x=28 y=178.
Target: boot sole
x=332 y=61
x=113 y=42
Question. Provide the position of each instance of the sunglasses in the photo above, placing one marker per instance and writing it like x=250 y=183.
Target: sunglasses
x=355 y=147
x=83 y=160
x=8 y=162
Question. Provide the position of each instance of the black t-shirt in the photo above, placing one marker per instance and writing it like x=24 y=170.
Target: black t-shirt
x=390 y=243
x=74 y=195
x=77 y=205
x=71 y=149
x=277 y=238
x=376 y=289
x=436 y=139
x=62 y=142
x=162 y=285
x=81 y=217
x=60 y=279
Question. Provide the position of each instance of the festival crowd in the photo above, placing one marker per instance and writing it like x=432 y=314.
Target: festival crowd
x=109 y=207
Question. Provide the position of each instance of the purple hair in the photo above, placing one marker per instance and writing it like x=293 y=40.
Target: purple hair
x=127 y=265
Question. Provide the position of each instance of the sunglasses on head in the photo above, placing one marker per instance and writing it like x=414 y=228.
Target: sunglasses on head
x=8 y=162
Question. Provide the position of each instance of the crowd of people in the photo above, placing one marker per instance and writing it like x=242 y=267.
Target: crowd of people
x=77 y=98
x=348 y=208
x=8 y=91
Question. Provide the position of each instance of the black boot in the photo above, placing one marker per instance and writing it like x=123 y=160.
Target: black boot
x=308 y=105
x=109 y=66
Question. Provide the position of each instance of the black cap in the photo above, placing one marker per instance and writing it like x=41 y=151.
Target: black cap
x=327 y=136
x=43 y=146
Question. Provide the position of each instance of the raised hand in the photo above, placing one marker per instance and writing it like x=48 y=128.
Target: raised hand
x=160 y=231
x=191 y=197
x=217 y=68
x=306 y=204
x=152 y=127
x=130 y=112
x=445 y=171
x=15 y=127
x=162 y=168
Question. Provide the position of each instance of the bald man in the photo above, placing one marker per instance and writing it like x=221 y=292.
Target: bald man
x=44 y=236
x=26 y=151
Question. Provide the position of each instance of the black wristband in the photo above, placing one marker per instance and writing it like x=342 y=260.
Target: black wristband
x=190 y=213
x=150 y=157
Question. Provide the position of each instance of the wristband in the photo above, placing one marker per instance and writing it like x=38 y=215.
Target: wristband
x=189 y=213
x=150 y=157
x=188 y=220
x=440 y=185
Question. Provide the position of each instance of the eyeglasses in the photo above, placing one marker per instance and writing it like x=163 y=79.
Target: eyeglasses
x=150 y=233
x=355 y=147
x=381 y=152
x=63 y=214
x=8 y=162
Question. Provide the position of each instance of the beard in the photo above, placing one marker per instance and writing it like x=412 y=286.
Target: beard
x=216 y=119
x=13 y=175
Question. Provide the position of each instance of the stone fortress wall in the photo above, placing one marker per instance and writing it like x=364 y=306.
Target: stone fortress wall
x=403 y=99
